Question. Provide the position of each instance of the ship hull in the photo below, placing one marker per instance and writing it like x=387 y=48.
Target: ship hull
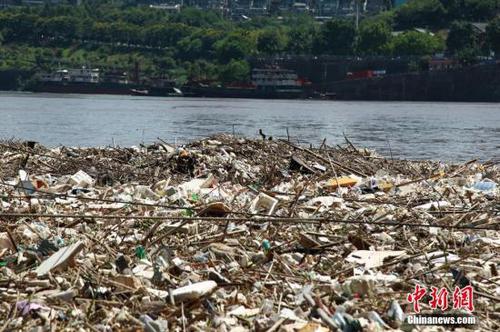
x=222 y=92
x=100 y=88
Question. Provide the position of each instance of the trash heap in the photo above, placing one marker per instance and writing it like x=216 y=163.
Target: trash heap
x=235 y=234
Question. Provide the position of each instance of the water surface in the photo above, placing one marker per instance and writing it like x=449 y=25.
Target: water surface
x=440 y=131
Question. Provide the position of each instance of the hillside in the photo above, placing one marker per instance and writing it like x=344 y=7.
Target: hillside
x=203 y=45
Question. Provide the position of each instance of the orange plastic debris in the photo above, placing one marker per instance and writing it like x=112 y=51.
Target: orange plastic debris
x=344 y=181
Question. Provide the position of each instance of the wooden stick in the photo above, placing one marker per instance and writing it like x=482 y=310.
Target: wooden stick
x=323 y=159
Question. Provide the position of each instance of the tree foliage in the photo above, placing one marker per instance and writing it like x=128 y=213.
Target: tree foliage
x=205 y=45
x=493 y=35
x=300 y=39
x=462 y=39
x=474 y=10
x=235 y=46
x=420 y=13
x=374 y=38
x=335 y=37
x=271 y=41
x=416 y=43
x=235 y=71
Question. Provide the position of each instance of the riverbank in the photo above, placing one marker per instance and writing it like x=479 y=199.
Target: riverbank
x=235 y=233
x=478 y=83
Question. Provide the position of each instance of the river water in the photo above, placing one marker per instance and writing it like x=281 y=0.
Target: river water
x=439 y=131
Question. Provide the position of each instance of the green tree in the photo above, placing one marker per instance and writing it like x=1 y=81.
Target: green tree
x=124 y=32
x=475 y=10
x=18 y=27
x=235 y=71
x=199 y=18
x=142 y=16
x=271 y=42
x=416 y=43
x=493 y=36
x=165 y=63
x=300 y=40
x=101 y=31
x=163 y=35
x=199 y=44
x=335 y=37
x=202 y=70
x=84 y=28
x=467 y=56
x=237 y=46
x=374 y=38
x=462 y=38
x=420 y=13
x=189 y=48
x=59 y=27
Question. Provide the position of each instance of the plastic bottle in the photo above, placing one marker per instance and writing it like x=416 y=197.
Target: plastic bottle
x=485 y=185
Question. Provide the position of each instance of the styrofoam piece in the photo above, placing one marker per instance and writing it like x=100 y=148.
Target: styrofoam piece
x=371 y=259
x=81 y=179
x=263 y=201
x=194 y=291
x=60 y=259
x=435 y=205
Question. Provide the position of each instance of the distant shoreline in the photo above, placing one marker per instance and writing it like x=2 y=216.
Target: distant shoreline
x=56 y=94
x=470 y=84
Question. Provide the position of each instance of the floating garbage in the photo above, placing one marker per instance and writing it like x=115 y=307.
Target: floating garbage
x=344 y=181
x=235 y=234
x=371 y=259
x=194 y=291
x=81 y=179
x=485 y=185
x=61 y=259
x=263 y=204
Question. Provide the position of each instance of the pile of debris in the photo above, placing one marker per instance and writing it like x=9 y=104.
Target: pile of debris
x=234 y=234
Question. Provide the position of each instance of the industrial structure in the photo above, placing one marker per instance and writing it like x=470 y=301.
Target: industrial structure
x=245 y=9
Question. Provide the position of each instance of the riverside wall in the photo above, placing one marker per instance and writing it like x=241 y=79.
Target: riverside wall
x=472 y=84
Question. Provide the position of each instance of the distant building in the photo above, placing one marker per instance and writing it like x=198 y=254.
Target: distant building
x=442 y=63
x=80 y=75
x=246 y=9
x=169 y=8
x=116 y=76
x=9 y=3
x=421 y=30
x=206 y=4
x=300 y=7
